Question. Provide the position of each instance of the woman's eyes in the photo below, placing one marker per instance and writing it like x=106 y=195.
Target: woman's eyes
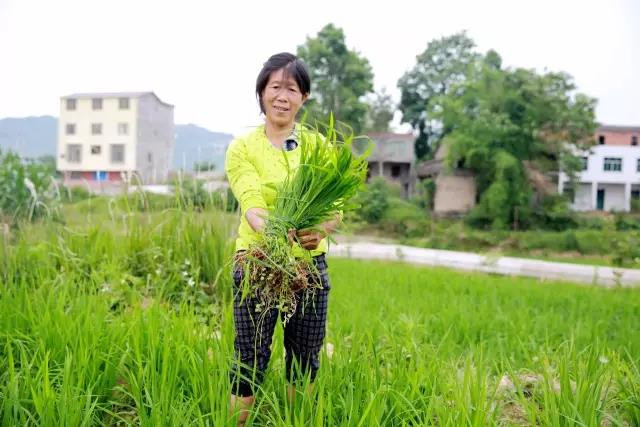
x=291 y=89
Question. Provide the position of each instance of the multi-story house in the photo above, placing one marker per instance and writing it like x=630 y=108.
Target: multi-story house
x=110 y=137
x=393 y=158
x=610 y=176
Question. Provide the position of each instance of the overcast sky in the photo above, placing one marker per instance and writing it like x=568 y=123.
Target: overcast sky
x=203 y=57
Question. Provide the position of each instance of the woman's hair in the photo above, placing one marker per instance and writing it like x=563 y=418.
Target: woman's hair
x=291 y=66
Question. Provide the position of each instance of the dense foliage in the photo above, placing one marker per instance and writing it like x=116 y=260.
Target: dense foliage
x=502 y=123
x=340 y=78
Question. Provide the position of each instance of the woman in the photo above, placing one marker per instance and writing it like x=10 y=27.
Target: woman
x=253 y=163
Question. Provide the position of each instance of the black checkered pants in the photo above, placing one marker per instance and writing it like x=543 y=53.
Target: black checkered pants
x=303 y=334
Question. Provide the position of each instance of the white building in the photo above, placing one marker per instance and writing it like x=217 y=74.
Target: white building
x=109 y=137
x=610 y=178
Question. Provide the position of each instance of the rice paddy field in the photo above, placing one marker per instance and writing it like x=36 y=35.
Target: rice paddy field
x=124 y=318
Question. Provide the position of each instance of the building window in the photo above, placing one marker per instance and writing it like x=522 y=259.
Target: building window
x=70 y=129
x=601 y=140
x=123 y=103
x=96 y=149
x=395 y=171
x=117 y=153
x=638 y=166
x=96 y=103
x=584 y=163
x=76 y=175
x=634 y=140
x=613 y=164
x=123 y=128
x=149 y=157
x=74 y=153
x=71 y=104
x=96 y=128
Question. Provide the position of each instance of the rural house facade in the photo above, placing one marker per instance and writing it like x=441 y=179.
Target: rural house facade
x=610 y=176
x=107 y=138
x=393 y=158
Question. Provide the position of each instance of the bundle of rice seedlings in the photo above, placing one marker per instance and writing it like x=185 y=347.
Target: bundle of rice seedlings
x=328 y=177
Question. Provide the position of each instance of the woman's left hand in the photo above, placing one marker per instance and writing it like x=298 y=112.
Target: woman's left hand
x=310 y=239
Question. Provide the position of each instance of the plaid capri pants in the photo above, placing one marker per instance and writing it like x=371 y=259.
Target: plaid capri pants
x=303 y=333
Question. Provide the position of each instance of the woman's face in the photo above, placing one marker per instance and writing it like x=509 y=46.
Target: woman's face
x=281 y=99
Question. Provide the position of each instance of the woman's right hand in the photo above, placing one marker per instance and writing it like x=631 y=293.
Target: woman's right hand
x=256 y=217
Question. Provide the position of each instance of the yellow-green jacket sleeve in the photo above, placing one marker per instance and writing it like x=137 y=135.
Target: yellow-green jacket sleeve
x=243 y=176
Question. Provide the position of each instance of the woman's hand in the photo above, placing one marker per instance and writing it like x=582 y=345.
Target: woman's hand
x=256 y=217
x=310 y=239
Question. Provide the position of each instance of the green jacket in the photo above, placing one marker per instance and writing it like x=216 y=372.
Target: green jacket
x=252 y=165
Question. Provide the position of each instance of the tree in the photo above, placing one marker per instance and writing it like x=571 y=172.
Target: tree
x=502 y=123
x=340 y=79
x=204 y=166
x=444 y=63
x=380 y=113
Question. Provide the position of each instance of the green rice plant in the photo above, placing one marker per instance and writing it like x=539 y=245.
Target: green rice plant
x=328 y=177
x=90 y=334
x=628 y=382
x=572 y=386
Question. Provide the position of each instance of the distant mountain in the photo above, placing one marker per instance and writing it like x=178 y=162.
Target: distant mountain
x=37 y=136
x=29 y=136
x=197 y=144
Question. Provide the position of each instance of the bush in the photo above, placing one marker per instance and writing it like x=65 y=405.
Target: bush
x=225 y=200
x=626 y=249
x=551 y=241
x=74 y=194
x=593 y=242
x=27 y=188
x=425 y=194
x=591 y=223
x=626 y=222
x=374 y=201
x=190 y=192
x=553 y=213
x=404 y=219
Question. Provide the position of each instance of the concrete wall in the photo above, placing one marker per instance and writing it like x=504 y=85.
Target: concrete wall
x=614 y=198
x=156 y=137
x=454 y=194
x=582 y=198
x=109 y=116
